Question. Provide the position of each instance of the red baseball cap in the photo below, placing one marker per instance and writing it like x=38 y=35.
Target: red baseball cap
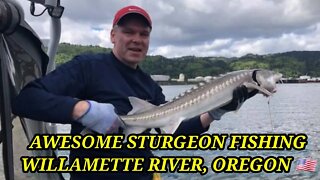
x=131 y=10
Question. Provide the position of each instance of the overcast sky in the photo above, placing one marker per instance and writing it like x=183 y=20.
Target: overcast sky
x=196 y=27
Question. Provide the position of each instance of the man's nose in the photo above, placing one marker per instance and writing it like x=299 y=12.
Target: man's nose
x=136 y=38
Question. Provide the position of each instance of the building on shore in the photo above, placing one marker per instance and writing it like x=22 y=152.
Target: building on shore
x=160 y=78
x=180 y=79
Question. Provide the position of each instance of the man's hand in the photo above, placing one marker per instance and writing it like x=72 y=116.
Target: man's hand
x=240 y=95
x=100 y=117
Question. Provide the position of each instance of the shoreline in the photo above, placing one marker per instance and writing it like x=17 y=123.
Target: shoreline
x=168 y=83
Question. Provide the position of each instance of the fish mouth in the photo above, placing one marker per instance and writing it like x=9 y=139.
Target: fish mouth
x=269 y=92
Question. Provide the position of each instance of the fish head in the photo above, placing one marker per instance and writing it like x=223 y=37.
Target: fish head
x=268 y=79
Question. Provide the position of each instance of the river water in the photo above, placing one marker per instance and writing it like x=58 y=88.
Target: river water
x=293 y=109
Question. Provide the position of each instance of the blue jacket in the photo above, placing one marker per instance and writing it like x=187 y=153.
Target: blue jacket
x=102 y=78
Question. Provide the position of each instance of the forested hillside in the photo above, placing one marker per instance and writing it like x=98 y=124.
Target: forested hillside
x=291 y=64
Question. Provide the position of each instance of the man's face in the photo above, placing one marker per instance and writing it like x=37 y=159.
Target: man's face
x=131 y=41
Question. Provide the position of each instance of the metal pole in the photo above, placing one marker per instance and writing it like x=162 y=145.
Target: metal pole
x=6 y=122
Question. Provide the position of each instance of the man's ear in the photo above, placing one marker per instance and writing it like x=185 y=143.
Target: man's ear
x=112 y=34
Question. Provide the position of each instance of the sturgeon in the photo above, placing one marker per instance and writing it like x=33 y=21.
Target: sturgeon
x=197 y=100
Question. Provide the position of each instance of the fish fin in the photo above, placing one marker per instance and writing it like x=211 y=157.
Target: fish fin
x=254 y=86
x=172 y=127
x=133 y=130
x=139 y=105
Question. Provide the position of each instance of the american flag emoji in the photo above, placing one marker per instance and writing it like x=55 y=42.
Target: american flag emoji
x=305 y=164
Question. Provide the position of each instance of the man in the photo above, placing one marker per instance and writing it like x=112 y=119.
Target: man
x=90 y=91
